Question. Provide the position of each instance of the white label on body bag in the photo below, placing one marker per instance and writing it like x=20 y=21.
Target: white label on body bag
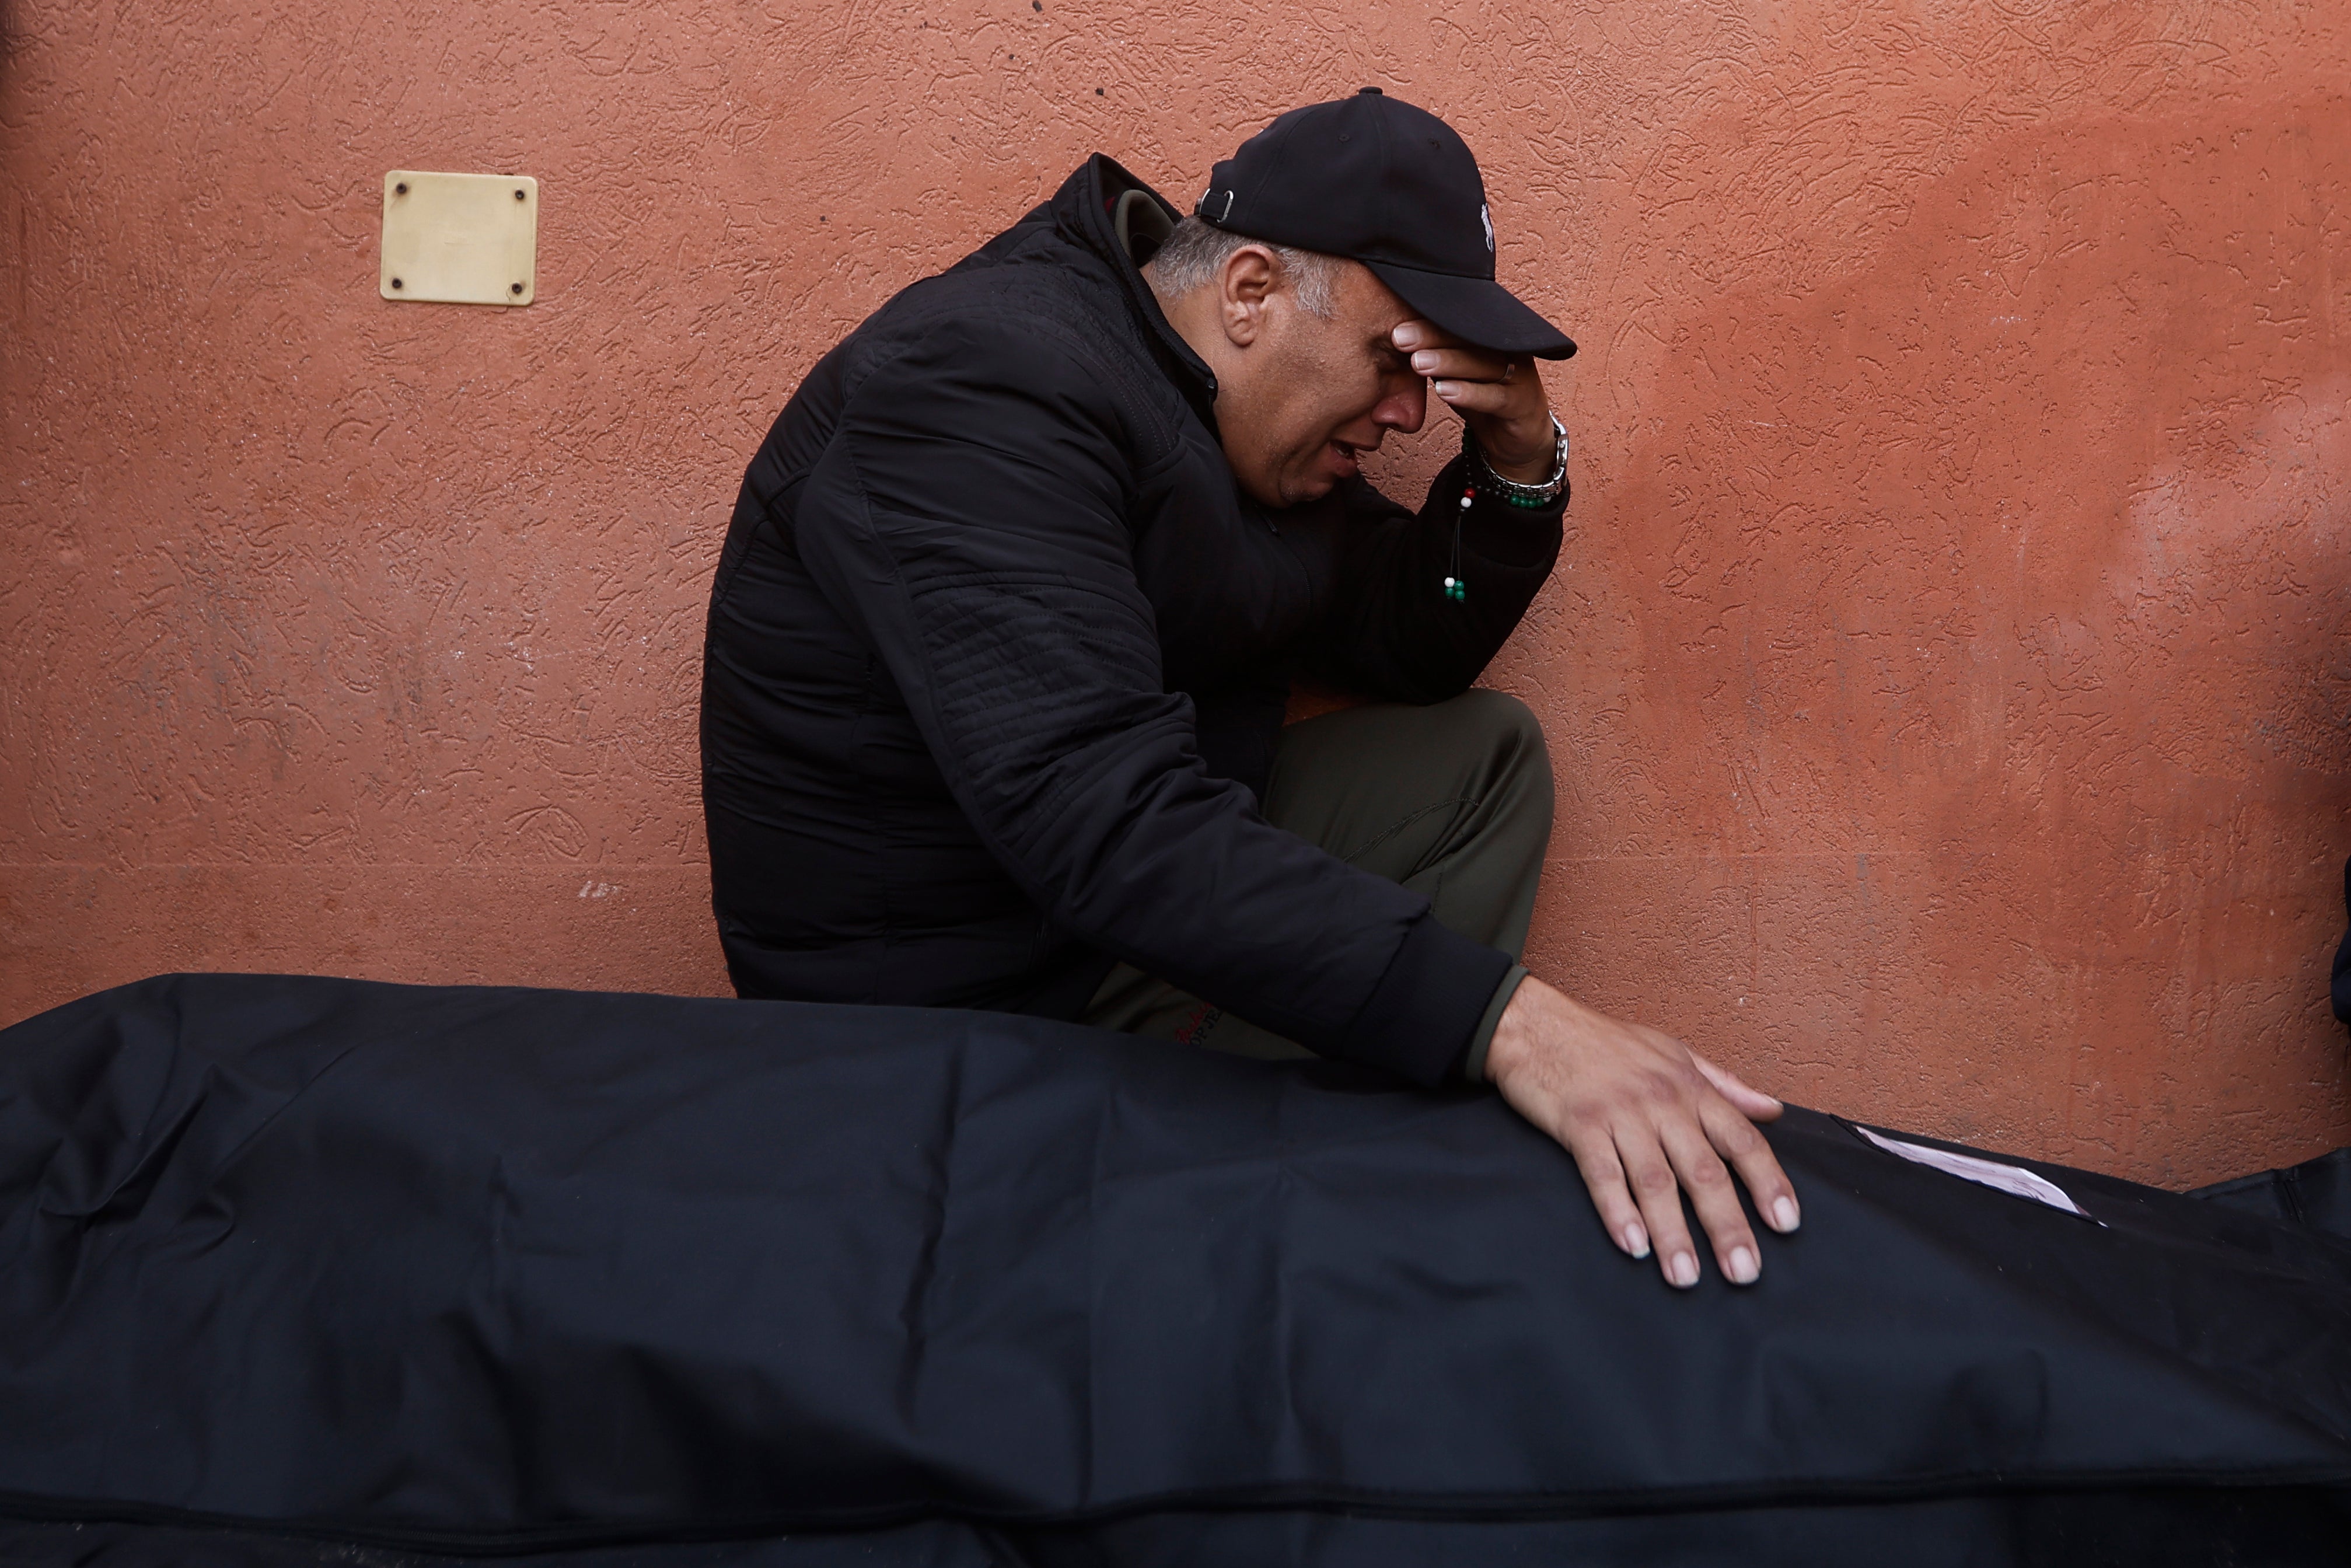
x=2013 y=1180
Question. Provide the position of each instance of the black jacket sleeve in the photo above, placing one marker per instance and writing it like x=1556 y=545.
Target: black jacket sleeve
x=967 y=517
x=1390 y=631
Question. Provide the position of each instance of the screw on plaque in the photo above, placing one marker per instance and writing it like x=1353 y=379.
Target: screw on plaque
x=520 y=197
x=517 y=290
x=395 y=283
x=400 y=189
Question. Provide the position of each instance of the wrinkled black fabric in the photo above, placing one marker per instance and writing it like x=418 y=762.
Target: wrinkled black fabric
x=996 y=655
x=2316 y=1193
x=110 y=1544
x=2339 y=988
x=460 y=1269
x=2149 y=1527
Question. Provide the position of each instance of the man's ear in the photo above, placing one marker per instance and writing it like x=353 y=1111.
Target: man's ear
x=1247 y=277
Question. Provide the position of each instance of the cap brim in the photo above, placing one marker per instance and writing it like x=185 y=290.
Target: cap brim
x=1476 y=311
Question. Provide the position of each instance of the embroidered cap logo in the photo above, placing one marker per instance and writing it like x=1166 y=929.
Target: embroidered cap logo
x=1486 y=218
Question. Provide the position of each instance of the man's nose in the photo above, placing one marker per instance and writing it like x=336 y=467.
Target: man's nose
x=1403 y=405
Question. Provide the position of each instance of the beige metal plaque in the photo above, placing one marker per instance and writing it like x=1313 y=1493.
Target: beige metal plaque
x=467 y=239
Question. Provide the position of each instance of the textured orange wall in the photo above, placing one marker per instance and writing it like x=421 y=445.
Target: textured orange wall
x=1945 y=668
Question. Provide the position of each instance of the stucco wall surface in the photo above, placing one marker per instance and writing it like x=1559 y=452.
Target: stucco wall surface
x=1945 y=669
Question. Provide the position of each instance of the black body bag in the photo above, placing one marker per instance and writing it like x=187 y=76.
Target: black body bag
x=306 y=1270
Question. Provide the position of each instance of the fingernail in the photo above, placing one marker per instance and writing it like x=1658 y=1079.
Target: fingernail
x=1783 y=1214
x=1743 y=1267
x=1682 y=1269
x=1423 y=362
x=1443 y=390
x=1636 y=1241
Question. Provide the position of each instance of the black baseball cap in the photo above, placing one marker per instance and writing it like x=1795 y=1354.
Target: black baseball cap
x=1375 y=180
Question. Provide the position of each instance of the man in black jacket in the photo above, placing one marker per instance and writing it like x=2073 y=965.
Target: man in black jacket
x=1003 y=630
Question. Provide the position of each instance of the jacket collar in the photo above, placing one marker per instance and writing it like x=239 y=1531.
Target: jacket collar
x=1082 y=211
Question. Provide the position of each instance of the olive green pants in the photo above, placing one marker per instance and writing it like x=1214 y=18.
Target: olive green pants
x=1454 y=800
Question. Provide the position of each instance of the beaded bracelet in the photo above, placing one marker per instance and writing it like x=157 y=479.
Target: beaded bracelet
x=1455 y=589
x=1522 y=501
x=1483 y=480
x=1484 y=477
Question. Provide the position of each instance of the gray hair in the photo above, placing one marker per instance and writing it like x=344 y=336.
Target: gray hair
x=1197 y=249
